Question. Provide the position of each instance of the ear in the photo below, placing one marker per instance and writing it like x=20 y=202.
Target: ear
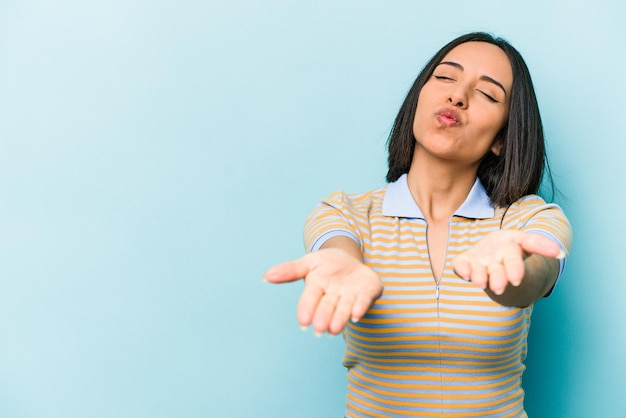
x=496 y=148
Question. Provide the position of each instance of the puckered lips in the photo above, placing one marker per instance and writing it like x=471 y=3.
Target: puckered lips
x=448 y=117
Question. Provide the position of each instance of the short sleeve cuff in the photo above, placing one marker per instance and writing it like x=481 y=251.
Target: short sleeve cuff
x=331 y=234
x=562 y=261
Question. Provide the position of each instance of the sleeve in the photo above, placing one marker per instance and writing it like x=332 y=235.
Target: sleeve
x=533 y=214
x=332 y=217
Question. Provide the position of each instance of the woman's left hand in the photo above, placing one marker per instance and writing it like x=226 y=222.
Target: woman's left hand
x=498 y=259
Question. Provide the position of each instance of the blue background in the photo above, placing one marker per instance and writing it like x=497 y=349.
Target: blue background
x=157 y=157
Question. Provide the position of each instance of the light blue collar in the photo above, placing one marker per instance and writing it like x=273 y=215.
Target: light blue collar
x=399 y=202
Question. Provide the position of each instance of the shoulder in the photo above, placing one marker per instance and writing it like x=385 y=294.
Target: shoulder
x=532 y=213
x=356 y=202
x=529 y=206
x=346 y=214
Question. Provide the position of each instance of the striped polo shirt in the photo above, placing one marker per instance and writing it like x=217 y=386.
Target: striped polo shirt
x=425 y=348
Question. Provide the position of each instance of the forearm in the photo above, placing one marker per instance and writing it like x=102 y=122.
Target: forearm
x=540 y=274
x=346 y=244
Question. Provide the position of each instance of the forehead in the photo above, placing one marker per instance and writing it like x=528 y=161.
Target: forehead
x=484 y=59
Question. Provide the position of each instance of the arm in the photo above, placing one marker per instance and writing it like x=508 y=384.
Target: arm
x=338 y=286
x=515 y=268
x=346 y=244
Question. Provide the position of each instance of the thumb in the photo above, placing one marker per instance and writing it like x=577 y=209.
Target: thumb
x=534 y=243
x=289 y=271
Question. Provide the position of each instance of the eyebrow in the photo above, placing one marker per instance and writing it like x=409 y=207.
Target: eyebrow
x=484 y=77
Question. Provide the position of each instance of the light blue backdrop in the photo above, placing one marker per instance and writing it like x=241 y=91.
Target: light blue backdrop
x=156 y=157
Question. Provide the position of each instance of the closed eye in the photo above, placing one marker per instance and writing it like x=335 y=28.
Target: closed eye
x=443 y=77
x=489 y=97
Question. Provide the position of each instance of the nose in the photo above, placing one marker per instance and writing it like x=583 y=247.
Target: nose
x=458 y=97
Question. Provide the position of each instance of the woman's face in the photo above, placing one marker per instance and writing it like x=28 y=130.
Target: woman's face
x=464 y=104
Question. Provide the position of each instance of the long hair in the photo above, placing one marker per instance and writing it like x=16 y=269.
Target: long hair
x=522 y=163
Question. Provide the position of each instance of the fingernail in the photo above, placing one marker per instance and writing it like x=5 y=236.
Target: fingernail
x=498 y=292
x=303 y=327
x=264 y=279
x=318 y=334
x=560 y=255
x=516 y=284
x=355 y=320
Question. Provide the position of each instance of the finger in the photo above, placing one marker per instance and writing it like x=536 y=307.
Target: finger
x=324 y=312
x=479 y=275
x=362 y=303
x=462 y=267
x=343 y=312
x=311 y=296
x=534 y=243
x=497 y=278
x=288 y=272
x=514 y=269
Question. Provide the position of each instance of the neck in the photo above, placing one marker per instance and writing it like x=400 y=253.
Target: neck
x=439 y=187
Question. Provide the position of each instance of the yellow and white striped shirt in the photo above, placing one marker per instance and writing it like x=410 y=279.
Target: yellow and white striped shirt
x=426 y=348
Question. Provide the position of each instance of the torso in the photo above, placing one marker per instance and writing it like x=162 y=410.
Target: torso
x=433 y=344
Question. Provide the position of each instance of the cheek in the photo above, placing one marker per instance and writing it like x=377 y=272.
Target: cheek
x=417 y=120
x=502 y=124
x=494 y=121
x=504 y=118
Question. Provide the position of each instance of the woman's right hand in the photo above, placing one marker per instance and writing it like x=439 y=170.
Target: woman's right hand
x=337 y=288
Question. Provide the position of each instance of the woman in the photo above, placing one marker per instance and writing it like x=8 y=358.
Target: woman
x=432 y=278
